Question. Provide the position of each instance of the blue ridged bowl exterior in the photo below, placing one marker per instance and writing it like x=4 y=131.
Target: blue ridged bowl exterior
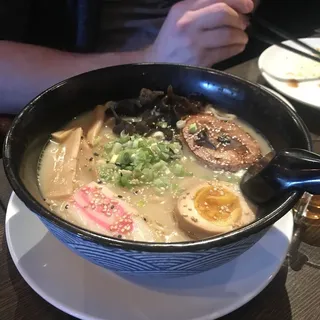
x=138 y=263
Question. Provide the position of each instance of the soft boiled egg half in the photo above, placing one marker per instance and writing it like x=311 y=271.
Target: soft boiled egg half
x=212 y=208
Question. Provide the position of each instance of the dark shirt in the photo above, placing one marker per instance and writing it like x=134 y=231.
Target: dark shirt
x=134 y=24
x=63 y=24
x=84 y=25
x=14 y=19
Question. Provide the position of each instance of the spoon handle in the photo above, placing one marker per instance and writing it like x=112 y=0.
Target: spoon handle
x=300 y=170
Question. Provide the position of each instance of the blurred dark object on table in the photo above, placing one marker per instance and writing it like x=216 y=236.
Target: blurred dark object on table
x=300 y=18
x=5 y=123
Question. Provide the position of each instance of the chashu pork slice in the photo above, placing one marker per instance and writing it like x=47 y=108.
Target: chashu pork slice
x=220 y=144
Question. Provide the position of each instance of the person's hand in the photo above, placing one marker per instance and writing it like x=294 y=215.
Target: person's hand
x=202 y=32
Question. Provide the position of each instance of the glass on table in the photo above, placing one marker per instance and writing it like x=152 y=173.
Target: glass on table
x=313 y=209
x=306 y=237
x=311 y=219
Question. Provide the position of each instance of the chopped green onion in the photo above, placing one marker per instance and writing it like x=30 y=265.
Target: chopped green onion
x=124 y=137
x=159 y=165
x=137 y=160
x=160 y=183
x=162 y=124
x=147 y=174
x=193 y=128
x=117 y=147
x=141 y=203
x=114 y=158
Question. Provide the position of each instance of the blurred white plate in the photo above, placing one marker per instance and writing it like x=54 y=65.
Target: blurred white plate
x=86 y=291
x=280 y=67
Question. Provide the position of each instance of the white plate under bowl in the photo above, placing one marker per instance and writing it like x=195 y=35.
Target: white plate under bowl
x=278 y=66
x=86 y=291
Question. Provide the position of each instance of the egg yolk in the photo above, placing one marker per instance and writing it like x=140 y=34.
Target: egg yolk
x=217 y=204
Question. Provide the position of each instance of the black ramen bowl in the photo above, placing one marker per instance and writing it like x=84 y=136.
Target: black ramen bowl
x=52 y=109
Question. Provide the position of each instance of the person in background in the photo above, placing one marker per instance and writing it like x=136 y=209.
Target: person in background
x=43 y=43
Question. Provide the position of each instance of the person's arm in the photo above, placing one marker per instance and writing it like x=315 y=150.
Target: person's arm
x=26 y=70
x=196 y=32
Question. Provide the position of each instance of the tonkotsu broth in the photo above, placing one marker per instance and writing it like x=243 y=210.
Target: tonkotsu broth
x=156 y=209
